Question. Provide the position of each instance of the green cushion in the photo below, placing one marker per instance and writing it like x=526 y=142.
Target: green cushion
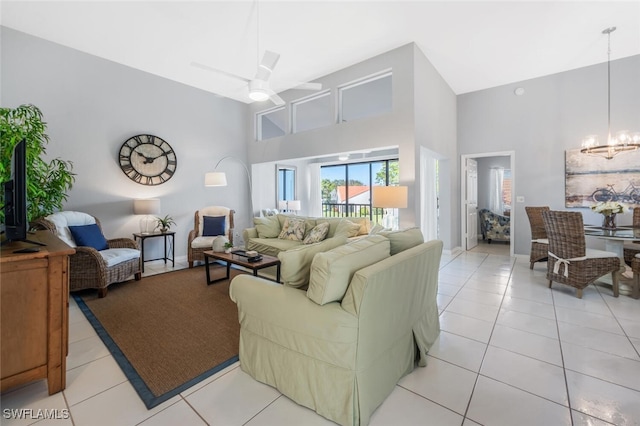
x=267 y=227
x=296 y=262
x=348 y=228
x=332 y=271
x=271 y=246
x=403 y=239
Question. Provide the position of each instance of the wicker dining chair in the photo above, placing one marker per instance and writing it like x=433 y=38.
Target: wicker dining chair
x=570 y=261
x=635 y=267
x=88 y=267
x=197 y=243
x=539 y=240
x=632 y=249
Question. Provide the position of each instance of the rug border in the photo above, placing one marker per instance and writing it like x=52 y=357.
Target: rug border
x=145 y=394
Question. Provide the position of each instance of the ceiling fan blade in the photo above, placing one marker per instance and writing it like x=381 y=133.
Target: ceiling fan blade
x=268 y=63
x=208 y=68
x=308 y=86
x=277 y=100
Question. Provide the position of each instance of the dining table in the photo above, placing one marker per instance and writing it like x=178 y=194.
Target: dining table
x=614 y=240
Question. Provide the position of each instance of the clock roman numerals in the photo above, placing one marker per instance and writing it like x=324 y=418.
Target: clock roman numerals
x=147 y=160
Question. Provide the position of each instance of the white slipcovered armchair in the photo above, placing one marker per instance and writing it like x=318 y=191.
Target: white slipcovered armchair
x=199 y=240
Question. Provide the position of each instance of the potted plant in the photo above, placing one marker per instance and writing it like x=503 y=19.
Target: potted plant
x=47 y=182
x=164 y=223
x=227 y=247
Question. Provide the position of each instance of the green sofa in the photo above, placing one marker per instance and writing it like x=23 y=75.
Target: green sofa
x=340 y=347
x=263 y=237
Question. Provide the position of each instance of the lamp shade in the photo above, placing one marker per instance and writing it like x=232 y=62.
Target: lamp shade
x=282 y=205
x=146 y=206
x=215 y=179
x=294 y=205
x=395 y=197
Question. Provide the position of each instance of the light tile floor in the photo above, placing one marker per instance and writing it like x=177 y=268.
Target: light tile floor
x=511 y=352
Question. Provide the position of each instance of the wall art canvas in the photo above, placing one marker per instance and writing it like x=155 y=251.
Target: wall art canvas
x=589 y=179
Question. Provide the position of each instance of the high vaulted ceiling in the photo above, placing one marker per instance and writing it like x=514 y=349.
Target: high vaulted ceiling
x=474 y=45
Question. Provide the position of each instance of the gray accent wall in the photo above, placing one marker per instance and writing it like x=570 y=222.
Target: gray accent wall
x=92 y=106
x=552 y=116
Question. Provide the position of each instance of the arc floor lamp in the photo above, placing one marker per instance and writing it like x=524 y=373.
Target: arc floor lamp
x=216 y=178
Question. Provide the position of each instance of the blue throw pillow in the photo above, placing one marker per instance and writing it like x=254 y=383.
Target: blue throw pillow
x=89 y=236
x=213 y=226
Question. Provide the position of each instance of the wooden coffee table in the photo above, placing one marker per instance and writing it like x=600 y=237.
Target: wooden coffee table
x=235 y=259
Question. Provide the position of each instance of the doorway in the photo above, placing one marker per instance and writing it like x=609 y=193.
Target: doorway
x=480 y=169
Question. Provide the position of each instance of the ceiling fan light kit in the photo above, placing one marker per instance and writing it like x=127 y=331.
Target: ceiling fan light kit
x=258 y=90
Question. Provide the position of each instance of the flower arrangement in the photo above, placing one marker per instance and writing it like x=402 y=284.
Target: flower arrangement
x=607 y=208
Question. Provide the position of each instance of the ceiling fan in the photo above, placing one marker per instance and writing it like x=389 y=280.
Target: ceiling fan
x=258 y=86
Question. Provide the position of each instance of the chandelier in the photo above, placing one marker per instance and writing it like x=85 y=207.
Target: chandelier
x=623 y=140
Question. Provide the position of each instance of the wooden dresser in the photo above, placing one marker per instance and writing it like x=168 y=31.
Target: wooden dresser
x=34 y=313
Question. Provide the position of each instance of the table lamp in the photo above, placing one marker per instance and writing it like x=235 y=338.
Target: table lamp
x=147 y=207
x=390 y=197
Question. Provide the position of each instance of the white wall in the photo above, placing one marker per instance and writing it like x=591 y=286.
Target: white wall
x=553 y=115
x=435 y=130
x=93 y=105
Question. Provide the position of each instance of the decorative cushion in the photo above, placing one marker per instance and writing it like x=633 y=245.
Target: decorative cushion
x=89 y=236
x=213 y=211
x=293 y=229
x=213 y=226
x=347 y=228
x=403 y=239
x=62 y=220
x=267 y=227
x=317 y=234
x=296 y=262
x=332 y=271
x=118 y=255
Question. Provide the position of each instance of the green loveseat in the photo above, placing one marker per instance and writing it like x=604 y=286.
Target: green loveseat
x=341 y=346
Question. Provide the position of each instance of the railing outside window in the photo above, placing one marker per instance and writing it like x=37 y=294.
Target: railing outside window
x=346 y=188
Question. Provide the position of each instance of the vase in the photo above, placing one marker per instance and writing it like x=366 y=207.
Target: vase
x=609 y=221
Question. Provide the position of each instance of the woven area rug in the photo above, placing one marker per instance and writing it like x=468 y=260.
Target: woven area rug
x=167 y=332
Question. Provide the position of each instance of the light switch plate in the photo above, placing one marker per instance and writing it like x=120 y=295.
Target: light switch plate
x=520 y=199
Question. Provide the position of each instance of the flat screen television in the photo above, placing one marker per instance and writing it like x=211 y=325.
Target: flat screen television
x=15 y=197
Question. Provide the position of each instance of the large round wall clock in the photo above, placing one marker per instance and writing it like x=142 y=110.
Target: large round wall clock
x=147 y=159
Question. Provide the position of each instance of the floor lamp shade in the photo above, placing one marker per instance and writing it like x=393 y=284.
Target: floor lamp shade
x=149 y=207
x=215 y=179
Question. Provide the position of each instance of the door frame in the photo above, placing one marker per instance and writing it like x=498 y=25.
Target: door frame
x=463 y=192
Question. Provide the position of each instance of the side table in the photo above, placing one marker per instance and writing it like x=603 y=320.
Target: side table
x=167 y=247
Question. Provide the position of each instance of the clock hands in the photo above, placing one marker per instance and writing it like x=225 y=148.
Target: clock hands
x=149 y=160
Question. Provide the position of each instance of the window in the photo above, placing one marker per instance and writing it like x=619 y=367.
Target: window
x=286 y=183
x=346 y=188
x=271 y=124
x=312 y=112
x=366 y=98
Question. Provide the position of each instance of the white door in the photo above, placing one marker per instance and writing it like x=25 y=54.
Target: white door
x=471 y=202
